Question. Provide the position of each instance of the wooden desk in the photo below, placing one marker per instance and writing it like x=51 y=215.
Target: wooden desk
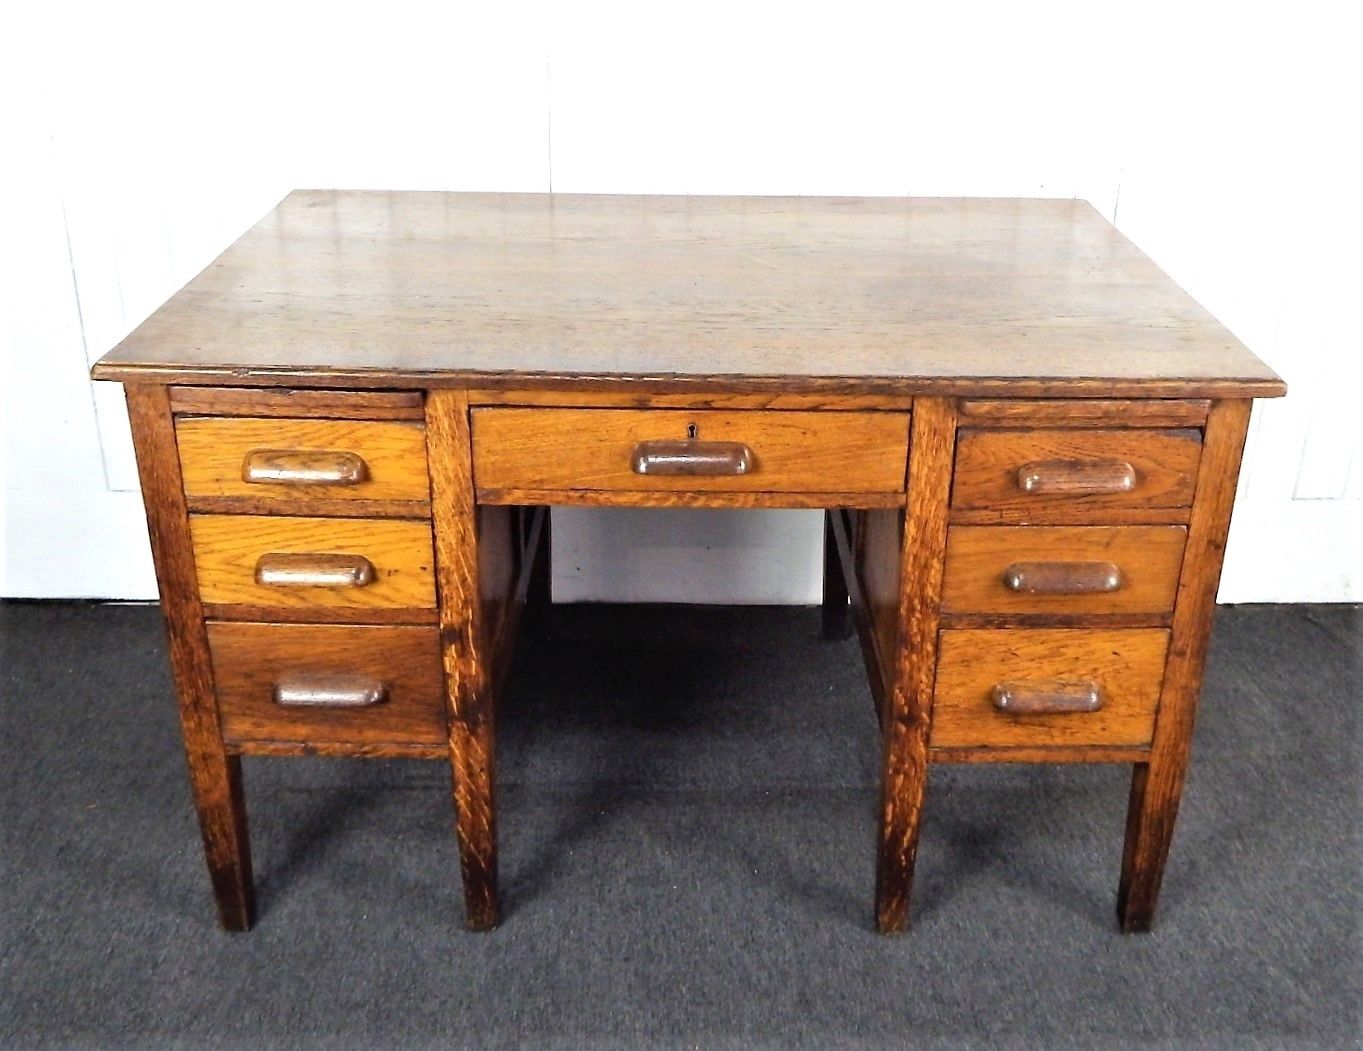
x=350 y=426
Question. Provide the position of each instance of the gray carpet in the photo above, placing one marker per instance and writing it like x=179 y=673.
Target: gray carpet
x=687 y=820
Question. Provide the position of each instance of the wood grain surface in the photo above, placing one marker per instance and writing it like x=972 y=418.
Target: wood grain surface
x=251 y=660
x=228 y=547
x=593 y=449
x=1148 y=558
x=298 y=402
x=1126 y=665
x=214 y=775
x=859 y=295
x=213 y=450
x=466 y=650
x=1083 y=412
x=988 y=462
x=1157 y=787
x=909 y=708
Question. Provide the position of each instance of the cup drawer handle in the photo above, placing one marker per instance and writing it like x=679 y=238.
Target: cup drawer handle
x=303 y=467
x=1076 y=477
x=282 y=569
x=323 y=692
x=1063 y=578
x=1051 y=697
x=691 y=457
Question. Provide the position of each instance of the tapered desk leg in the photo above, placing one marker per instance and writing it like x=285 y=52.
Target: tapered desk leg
x=463 y=640
x=214 y=776
x=1157 y=786
x=837 y=614
x=905 y=772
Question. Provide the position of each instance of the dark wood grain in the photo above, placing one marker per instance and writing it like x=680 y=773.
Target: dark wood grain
x=1083 y=412
x=312 y=404
x=1156 y=788
x=904 y=776
x=214 y=774
x=629 y=498
x=251 y=660
x=989 y=464
x=870 y=295
x=464 y=647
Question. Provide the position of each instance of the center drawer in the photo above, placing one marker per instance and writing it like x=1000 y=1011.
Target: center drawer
x=681 y=450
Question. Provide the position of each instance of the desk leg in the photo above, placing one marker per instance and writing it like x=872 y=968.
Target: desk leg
x=214 y=776
x=1157 y=787
x=909 y=720
x=464 y=647
x=837 y=613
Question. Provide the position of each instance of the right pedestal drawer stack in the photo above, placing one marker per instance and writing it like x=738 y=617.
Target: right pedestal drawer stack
x=1066 y=541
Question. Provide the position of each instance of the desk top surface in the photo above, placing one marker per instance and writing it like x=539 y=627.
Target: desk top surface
x=903 y=295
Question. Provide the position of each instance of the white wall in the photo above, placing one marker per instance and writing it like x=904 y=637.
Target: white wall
x=144 y=137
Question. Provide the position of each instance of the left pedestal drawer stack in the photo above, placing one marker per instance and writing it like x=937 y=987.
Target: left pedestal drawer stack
x=309 y=519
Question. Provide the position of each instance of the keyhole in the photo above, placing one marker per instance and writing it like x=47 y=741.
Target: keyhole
x=691 y=430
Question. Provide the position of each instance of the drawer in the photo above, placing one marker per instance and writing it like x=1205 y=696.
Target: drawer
x=328 y=683
x=1047 y=687
x=1062 y=570
x=690 y=451
x=355 y=565
x=1017 y=473
x=296 y=461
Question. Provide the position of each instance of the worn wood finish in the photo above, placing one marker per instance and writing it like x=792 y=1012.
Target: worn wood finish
x=1125 y=665
x=227 y=549
x=1058 y=559
x=880 y=576
x=989 y=464
x=464 y=642
x=376 y=750
x=310 y=404
x=595 y=449
x=875 y=295
x=650 y=398
x=1065 y=753
x=390 y=455
x=251 y=660
x=909 y=711
x=611 y=498
x=214 y=775
x=1083 y=412
x=1157 y=788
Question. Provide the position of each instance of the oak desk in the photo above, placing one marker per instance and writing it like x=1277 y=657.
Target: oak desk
x=350 y=426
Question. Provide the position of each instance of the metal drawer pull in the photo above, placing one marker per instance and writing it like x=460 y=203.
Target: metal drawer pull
x=1076 y=477
x=303 y=467
x=1062 y=578
x=691 y=457
x=1052 y=697
x=285 y=570
x=322 y=692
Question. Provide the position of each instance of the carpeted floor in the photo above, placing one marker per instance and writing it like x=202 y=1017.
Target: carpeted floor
x=687 y=819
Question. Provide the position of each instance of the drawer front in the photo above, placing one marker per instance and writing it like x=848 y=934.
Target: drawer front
x=1014 y=473
x=1028 y=688
x=318 y=564
x=640 y=449
x=290 y=460
x=1062 y=570
x=333 y=684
